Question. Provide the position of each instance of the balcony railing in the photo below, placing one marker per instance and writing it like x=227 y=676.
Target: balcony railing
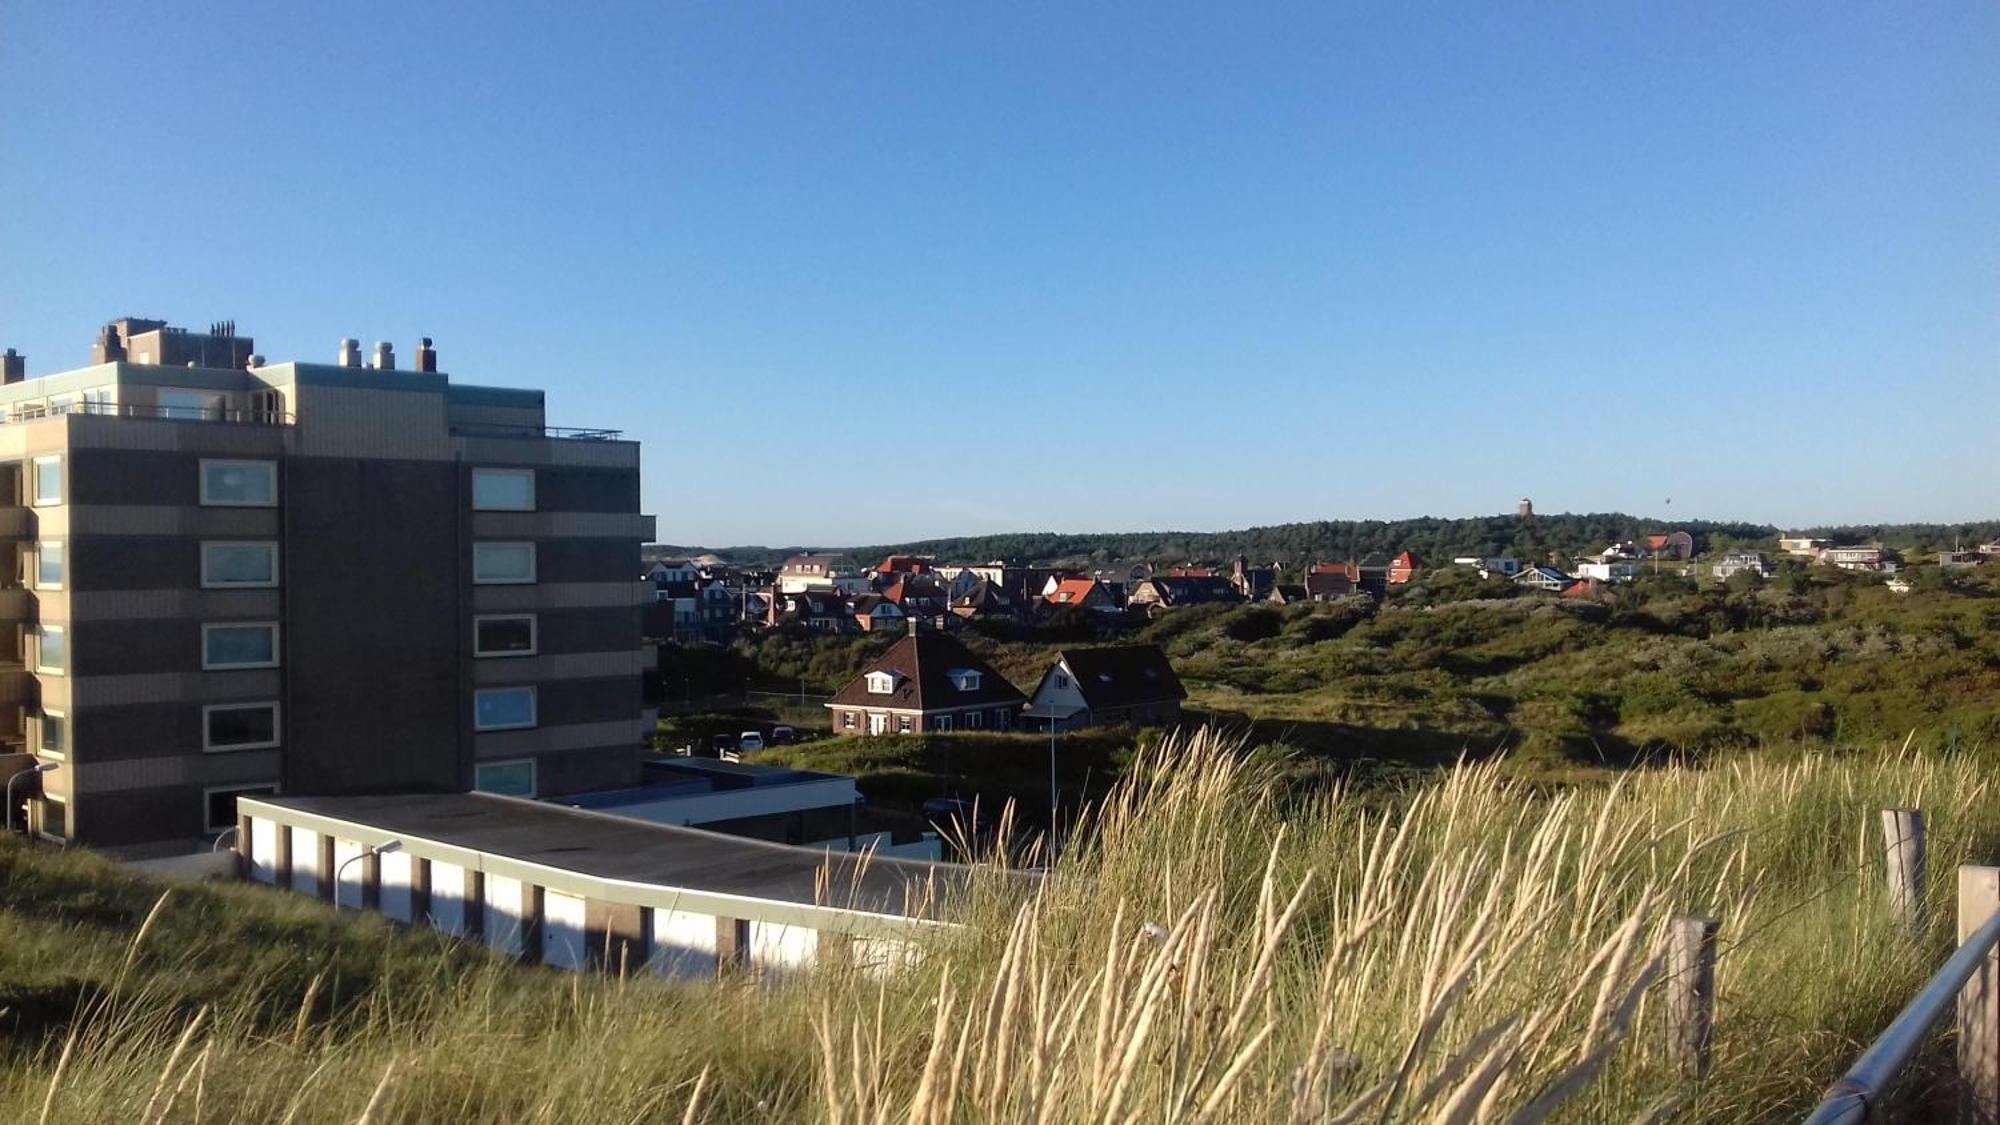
x=28 y=412
x=566 y=433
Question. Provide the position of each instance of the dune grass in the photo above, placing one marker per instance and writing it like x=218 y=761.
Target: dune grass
x=1215 y=947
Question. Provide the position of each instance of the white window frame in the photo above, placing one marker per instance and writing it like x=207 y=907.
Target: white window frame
x=534 y=635
x=209 y=583
x=277 y=653
x=35 y=499
x=277 y=726
x=270 y=467
x=881 y=683
x=41 y=668
x=62 y=563
x=41 y=748
x=534 y=565
x=69 y=821
x=965 y=679
x=534 y=708
x=975 y=720
x=905 y=725
x=498 y=472
x=238 y=787
x=941 y=723
x=534 y=774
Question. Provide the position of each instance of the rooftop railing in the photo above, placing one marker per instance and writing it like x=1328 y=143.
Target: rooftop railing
x=28 y=412
x=566 y=433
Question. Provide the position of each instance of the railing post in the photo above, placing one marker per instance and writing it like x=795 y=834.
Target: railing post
x=1691 y=990
x=1979 y=1002
x=1903 y=848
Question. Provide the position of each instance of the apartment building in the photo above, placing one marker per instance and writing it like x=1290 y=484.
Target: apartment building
x=305 y=579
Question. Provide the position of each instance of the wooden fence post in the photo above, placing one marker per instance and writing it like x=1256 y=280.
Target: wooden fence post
x=1903 y=848
x=1691 y=990
x=1979 y=1002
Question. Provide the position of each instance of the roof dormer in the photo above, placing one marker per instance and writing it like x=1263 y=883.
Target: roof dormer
x=882 y=683
x=965 y=679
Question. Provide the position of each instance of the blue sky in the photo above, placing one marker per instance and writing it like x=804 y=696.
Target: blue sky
x=856 y=273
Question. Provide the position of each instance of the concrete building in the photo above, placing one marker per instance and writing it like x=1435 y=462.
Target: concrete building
x=310 y=579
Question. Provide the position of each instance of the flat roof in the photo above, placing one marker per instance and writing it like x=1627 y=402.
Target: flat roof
x=611 y=847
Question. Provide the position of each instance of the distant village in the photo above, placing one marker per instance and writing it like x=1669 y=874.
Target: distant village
x=704 y=599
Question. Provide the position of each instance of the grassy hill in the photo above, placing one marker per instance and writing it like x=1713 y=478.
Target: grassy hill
x=1211 y=949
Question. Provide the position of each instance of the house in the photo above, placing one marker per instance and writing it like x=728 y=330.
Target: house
x=1098 y=687
x=874 y=613
x=1404 y=567
x=918 y=596
x=1866 y=556
x=1960 y=560
x=1252 y=582
x=1083 y=593
x=1371 y=574
x=928 y=682
x=1733 y=563
x=1803 y=546
x=1585 y=589
x=1543 y=578
x=987 y=600
x=1603 y=568
x=817 y=611
x=807 y=571
x=1326 y=582
x=673 y=572
x=1174 y=591
x=1671 y=545
x=906 y=564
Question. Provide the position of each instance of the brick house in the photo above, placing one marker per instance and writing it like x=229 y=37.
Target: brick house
x=1404 y=567
x=927 y=683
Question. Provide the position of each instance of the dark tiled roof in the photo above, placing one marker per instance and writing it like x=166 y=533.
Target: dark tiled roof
x=1123 y=675
x=923 y=665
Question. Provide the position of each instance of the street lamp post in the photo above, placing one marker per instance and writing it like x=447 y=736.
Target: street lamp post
x=383 y=848
x=38 y=767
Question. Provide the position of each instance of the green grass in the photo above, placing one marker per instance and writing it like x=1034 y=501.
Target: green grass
x=1216 y=946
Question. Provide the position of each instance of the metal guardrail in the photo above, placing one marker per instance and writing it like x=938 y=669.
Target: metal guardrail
x=566 y=433
x=1852 y=1099
x=29 y=412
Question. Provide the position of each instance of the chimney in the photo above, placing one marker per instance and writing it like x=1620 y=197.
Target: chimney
x=427 y=357
x=350 y=352
x=385 y=356
x=13 y=367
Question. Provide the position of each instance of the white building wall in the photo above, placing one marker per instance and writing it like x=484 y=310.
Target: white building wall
x=349 y=869
x=263 y=850
x=779 y=948
x=680 y=943
x=395 y=894
x=305 y=861
x=564 y=938
x=448 y=898
x=506 y=912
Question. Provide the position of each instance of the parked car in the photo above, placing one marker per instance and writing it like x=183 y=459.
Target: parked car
x=949 y=814
x=750 y=740
x=783 y=735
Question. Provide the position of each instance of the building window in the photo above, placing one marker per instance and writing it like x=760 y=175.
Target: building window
x=250 y=644
x=881 y=683
x=847 y=720
x=199 y=406
x=226 y=565
x=509 y=779
x=903 y=724
x=52 y=649
x=54 y=741
x=503 y=490
x=55 y=818
x=965 y=679
x=974 y=720
x=941 y=723
x=511 y=634
x=1002 y=720
x=239 y=726
x=220 y=804
x=503 y=564
x=1062 y=682
x=49 y=565
x=503 y=708
x=48 y=481
x=239 y=484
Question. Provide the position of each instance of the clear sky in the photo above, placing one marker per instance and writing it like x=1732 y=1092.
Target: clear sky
x=858 y=273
